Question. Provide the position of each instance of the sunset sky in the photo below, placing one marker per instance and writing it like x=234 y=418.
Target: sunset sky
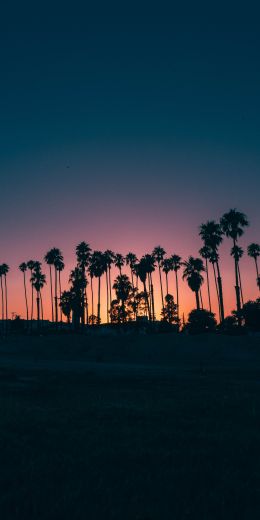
x=127 y=127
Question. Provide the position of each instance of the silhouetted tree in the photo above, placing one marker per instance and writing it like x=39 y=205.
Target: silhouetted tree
x=122 y=287
x=233 y=224
x=169 y=311
x=119 y=262
x=66 y=304
x=78 y=285
x=83 y=254
x=141 y=271
x=98 y=267
x=23 y=268
x=59 y=265
x=158 y=254
x=150 y=268
x=176 y=264
x=253 y=251
x=38 y=281
x=212 y=236
x=200 y=321
x=109 y=257
x=205 y=253
x=193 y=268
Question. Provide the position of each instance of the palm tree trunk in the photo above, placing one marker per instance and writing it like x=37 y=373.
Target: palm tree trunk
x=107 y=297
x=152 y=298
x=92 y=298
x=240 y=283
x=52 y=313
x=166 y=278
x=2 y=293
x=110 y=285
x=60 y=296
x=41 y=306
x=160 y=274
x=177 y=293
x=98 y=306
x=38 y=310
x=6 y=302
x=216 y=284
x=237 y=289
x=26 y=300
x=32 y=303
x=201 y=300
x=197 y=300
x=220 y=291
x=56 y=297
x=147 y=301
x=257 y=273
x=207 y=274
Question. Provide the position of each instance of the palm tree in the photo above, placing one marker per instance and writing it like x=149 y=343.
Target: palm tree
x=237 y=253
x=98 y=266
x=141 y=271
x=232 y=224
x=2 y=294
x=23 y=268
x=38 y=281
x=192 y=273
x=30 y=266
x=150 y=268
x=78 y=285
x=176 y=264
x=122 y=287
x=205 y=253
x=109 y=257
x=5 y=271
x=212 y=236
x=59 y=265
x=119 y=262
x=159 y=253
x=52 y=258
x=83 y=253
x=253 y=251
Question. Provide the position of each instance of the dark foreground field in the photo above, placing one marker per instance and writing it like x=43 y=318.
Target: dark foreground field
x=149 y=428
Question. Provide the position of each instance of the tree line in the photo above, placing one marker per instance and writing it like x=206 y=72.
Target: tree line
x=129 y=298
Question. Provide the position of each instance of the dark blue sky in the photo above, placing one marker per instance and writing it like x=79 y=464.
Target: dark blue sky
x=157 y=97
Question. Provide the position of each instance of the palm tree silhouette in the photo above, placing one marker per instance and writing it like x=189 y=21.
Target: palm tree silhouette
x=59 y=265
x=98 y=267
x=122 y=287
x=83 y=253
x=159 y=253
x=52 y=258
x=232 y=224
x=78 y=285
x=176 y=264
x=30 y=265
x=119 y=262
x=205 y=253
x=212 y=236
x=141 y=270
x=131 y=260
x=38 y=280
x=253 y=251
x=150 y=268
x=237 y=253
x=66 y=304
x=109 y=258
x=5 y=271
x=2 y=295
x=193 y=268
x=23 y=268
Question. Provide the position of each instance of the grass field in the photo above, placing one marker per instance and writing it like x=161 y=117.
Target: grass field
x=146 y=428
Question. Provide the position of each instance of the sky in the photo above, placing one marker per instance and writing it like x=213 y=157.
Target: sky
x=127 y=126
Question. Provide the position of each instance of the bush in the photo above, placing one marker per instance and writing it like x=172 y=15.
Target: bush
x=200 y=321
x=251 y=315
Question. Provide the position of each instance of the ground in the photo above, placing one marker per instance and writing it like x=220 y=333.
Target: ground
x=129 y=427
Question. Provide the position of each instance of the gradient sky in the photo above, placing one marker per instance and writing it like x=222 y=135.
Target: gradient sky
x=127 y=126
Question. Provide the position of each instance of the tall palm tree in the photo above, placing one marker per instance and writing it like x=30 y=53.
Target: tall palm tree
x=38 y=281
x=237 y=253
x=59 y=265
x=150 y=268
x=2 y=295
x=109 y=260
x=233 y=223
x=193 y=268
x=205 y=253
x=5 y=271
x=122 y=287
x=159 y=253
x=23 y=268
x=78 y=284
x=98 y=266
x=253 y=251
x=83 y=253
x=66 y=304
x=52 y=258
x=176 y=264
x=141 y=271
x=119 y=262
x=30 y=265
x=212 y=236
